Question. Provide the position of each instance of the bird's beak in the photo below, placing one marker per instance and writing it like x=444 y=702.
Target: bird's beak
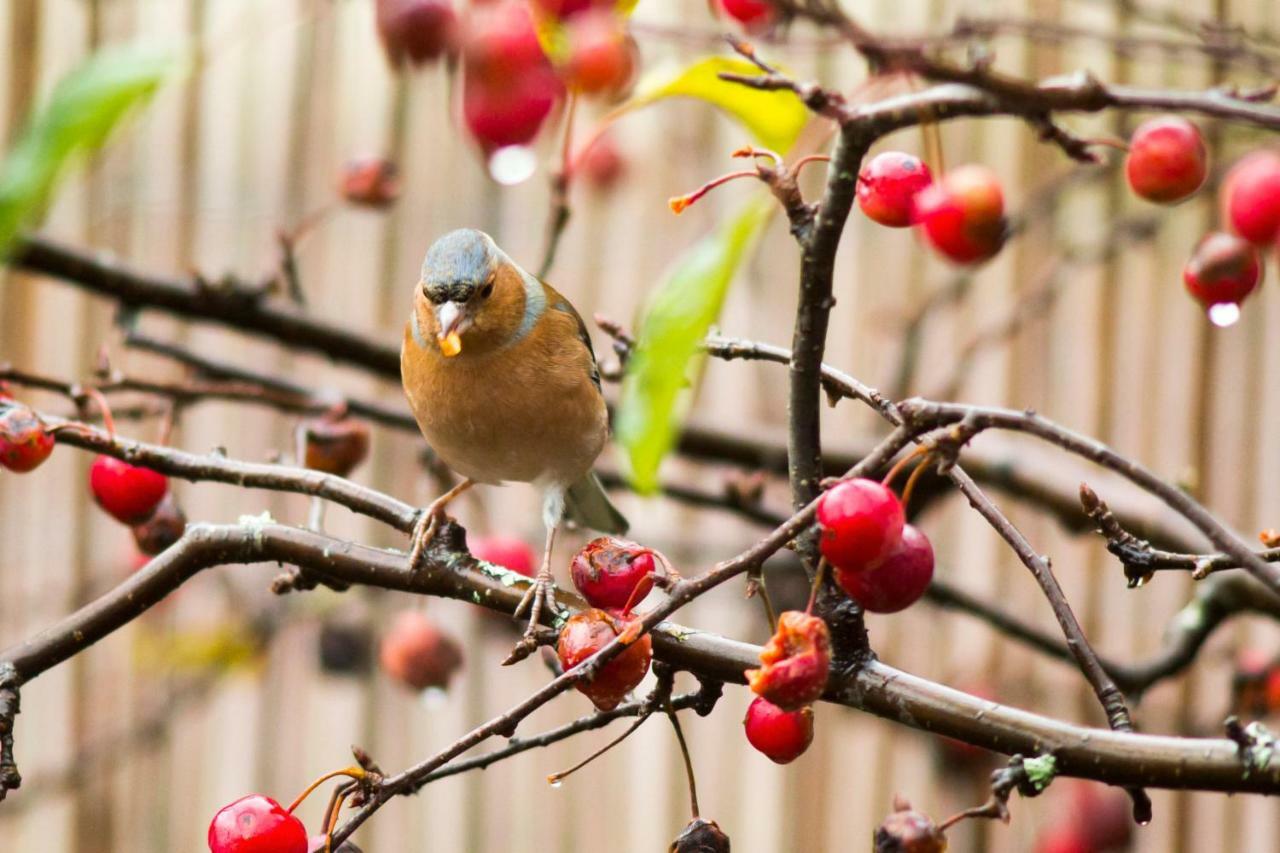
x=449 y=316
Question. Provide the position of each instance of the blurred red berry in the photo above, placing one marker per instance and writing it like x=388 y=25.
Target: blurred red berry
x=602 y=57
x=501 y=44
x=754 y=15
x=796 y=661
x=1064 y=838
x=1102 y=814
x=511 y=553
x=417 y=31
x=370 y=182
x=334 y=445
x=887 y=187
x=590 y=631
x=780 y=735
x=1223 y=268
x=602 y=164
x=1251 y=197
x=612 y=573
x=861 y=521
x=415 y=652
x=1167 y=159
x=256 y=824
x=499 y=116
x=24 y=441
x=165 y=526
x=129 y=493
x=900 y=579
x=962 y=214
x=564 y=9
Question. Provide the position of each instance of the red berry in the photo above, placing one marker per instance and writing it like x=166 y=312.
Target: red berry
x=782 y=736
x=1167 y=159
x=899 y=581
x=130 y=493
x=861 y=522
x=165 y=526
x=507 y=551
x=256 y=824
x=795 y=661
x=417 y=653
x=754 y=15
x=499 y=116
x=1251 y=197
x=963 y=214
x=562 y=9
x=887 y=187
x=590 y=631
x=501 y=44
x=370 y=182
x=612 y=573
x=1103 y=814
x=416 y=31
x=24 y=441
x=1064 y=838
x=1223 y=268
x=602 y=57
x=906 y=830
x=602 y=164
x=335 y=445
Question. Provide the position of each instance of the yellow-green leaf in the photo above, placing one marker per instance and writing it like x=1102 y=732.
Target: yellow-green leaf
x=775 y=119
x=80 y=113
x=667 y=346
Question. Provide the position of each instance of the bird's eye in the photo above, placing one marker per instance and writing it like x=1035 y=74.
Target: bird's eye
x=486 y=291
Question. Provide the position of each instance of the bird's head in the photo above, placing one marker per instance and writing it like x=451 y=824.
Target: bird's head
x=470 y=295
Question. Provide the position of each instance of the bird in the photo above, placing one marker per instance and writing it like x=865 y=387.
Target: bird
x=502 y=379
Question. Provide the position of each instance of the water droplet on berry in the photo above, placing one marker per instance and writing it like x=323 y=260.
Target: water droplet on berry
x=1224 y=314
x=513 y=164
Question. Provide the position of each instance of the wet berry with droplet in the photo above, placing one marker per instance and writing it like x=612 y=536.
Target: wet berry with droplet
x=256 y=824
x=417 y=653
x=861 y=521
x=780 y=735
x=700 y=836
x=129 y=493
x=888 y=185
x=1251 y=197
x=900 y=579
x=25 y=442
x=962 y=214
x=334 y=444
x=612 y=573
x=165 y=526
x=590 y=631
x=511 y=553
x=795 y=662
x=372 y=182
x=1223 y=268
x=906 y=830
x=417 y=31
x=1167 y=159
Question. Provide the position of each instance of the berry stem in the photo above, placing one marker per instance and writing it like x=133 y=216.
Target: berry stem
x=900 y=465
x=554 y=778
x=100 y=400
x=336 y=800
x=758 y=588
x=680 y=202
x=353 y=772
x=684 y=753
x=818 y=577
x=911 y=482
x=806 y=160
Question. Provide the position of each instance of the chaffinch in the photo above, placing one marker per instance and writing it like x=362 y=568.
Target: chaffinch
x=500 y=373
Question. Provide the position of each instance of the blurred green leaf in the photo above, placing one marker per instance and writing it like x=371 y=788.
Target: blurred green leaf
x=775 y=119
x=76 y=119
x=675 y=322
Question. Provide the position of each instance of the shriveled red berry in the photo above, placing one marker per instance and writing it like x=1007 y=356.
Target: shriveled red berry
x=611 y=573
x=370 y=182
x=24 y=441
x=417 y=653
x=129 y=493
x=888 y=185
x=1223 y=268
x=899 y=581
x=754 y=15
x=165 y=526
x=1251 y=197
x=861 y=522
x=256 y=824
x=507 y=551
x=701 y=836
x=782 y=736
x=590 y=631
x=962 y=214
x=906 y=830
x=602 y=164
x=796 y=661
x=335 y=445
x=1167 y=159
x=417 y=31
x=602 y=57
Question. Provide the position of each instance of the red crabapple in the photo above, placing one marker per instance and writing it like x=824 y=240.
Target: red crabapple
x=1251 y=197
x=256 y=824
x=887 y=187
x=795 y=662
x=900 y=579
x=962 y=214
x=612 y=573
x=590 y=631
x=782 y=736
x=129 y=493
x=861 y=521
x=24 y=441
x=1167 y=159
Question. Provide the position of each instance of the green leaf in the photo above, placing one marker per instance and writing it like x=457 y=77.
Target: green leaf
x=80 y=113
x=775 y=119
x=675 y=322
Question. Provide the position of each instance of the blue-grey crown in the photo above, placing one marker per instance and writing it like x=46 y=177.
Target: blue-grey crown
x=457 y=264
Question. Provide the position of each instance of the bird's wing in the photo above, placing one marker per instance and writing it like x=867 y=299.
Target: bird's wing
x=558 y=302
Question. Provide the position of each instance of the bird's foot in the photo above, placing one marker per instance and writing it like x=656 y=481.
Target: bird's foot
x=429 y=522
x=541 y=593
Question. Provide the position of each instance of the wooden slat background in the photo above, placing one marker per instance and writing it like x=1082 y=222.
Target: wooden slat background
x=253 y=141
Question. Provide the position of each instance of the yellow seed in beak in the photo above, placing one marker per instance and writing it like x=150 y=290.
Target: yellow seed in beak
x=450 y=344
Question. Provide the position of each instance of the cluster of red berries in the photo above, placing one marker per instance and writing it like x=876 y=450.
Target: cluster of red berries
x=793 y=673
x=961 y=216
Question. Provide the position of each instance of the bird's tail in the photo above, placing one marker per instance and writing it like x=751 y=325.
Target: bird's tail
x=589 y=506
